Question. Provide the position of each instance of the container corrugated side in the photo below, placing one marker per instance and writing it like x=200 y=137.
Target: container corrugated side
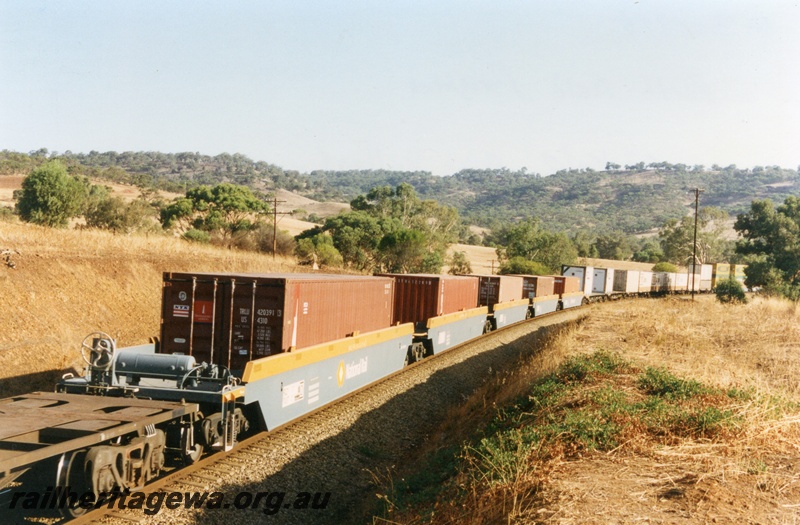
x=419 y=297
x=537 y=286
x=229 y=319
x=496 y=289
x=564 y=284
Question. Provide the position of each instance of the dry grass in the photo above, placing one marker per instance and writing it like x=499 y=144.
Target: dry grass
x=751 y=346
x=68 y=283
x=749 y=469
x=482 y=258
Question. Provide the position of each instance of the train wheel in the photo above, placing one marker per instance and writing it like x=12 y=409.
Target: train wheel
x=71 y=473
x=190 y=450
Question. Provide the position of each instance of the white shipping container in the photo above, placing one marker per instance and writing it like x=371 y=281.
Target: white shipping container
x=681 y=282
x=626 y=281
x=660 y=281
x=645 y=281
x=610 y=280
x=706 y=271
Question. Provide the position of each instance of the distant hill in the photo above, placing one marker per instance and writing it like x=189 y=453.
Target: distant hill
x=634 y=198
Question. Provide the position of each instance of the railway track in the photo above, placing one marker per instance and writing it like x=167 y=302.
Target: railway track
x=337 y=443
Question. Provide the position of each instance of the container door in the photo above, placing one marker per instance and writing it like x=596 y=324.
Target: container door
x=599 y=280
x=620 y=279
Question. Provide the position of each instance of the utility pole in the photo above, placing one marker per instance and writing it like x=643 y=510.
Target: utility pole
x=697 y=193
x=275 y=202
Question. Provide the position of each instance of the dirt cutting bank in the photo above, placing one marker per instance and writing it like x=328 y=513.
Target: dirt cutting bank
x=68 y=283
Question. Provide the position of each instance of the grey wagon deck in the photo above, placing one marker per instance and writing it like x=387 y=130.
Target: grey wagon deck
x=42 y=425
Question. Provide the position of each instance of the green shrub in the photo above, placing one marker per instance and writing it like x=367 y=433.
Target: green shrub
x=197 y=236
x=730 y=291
x=665 y=267
x=522 y=266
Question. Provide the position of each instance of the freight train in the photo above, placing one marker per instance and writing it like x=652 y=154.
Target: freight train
x=602 y=284
x=238 y=353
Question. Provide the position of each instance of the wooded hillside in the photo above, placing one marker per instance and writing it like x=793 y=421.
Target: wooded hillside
x=632 y=198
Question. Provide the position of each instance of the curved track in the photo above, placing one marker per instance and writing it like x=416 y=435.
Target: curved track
x=217 y=470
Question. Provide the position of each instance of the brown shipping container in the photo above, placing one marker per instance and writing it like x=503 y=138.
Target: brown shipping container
x=565 y=284
x=229 y=319
x=498 y=289
x=418 y=297
x=537 y=286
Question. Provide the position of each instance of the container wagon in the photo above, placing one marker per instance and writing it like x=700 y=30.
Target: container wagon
x=503 y=296
x=540 y=291
x=443 y=308
x=568 y=290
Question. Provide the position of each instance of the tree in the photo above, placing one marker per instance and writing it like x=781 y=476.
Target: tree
x=771 y=241
x=50 y=196
x=730 y=291
x=355 y=235
x=225 y=209
x=677 y=237
x=614 y=245
x=649 y=251
x=318 y=249
x=527 y=240
x=405 y=251
x=522 y=266
x=393 y=230
x=118 y=216
x=459 y=264
x=584 y=244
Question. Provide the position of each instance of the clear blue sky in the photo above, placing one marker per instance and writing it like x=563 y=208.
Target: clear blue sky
x=407 y=85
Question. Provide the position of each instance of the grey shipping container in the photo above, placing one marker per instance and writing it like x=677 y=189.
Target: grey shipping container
x=419 y=297
x=229 y=319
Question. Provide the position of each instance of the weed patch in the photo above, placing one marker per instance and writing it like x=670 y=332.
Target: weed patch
x=597 y=402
